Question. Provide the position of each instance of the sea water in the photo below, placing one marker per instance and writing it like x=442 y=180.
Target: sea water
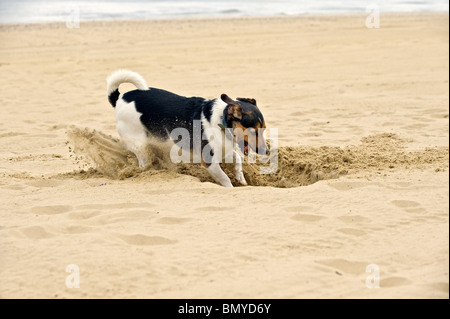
x=25 y=11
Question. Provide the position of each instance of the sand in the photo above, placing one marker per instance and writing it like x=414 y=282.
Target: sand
x=363 y=176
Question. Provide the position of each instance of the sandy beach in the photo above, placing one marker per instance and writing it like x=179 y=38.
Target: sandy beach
x=362 y=187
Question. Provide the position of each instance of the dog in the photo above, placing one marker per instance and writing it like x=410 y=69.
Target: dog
x=149 y=113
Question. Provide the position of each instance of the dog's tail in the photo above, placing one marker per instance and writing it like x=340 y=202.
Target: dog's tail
x=121 y=76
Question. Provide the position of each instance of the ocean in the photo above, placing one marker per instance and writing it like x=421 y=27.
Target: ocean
x=25 y=11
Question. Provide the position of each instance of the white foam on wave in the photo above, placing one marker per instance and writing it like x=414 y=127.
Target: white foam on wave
x=23 y=11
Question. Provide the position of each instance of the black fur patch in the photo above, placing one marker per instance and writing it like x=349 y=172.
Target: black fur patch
x=163 y=111
x=251 y=116
x=208 y=109
x=113 y=97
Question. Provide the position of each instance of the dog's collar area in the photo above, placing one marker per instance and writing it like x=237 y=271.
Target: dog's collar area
x=224 y=126
x=224 y=122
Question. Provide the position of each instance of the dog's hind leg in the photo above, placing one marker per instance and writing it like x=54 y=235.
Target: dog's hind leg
x=132 y=133
x=135 y=140
x=137 y=146
x=142 y=155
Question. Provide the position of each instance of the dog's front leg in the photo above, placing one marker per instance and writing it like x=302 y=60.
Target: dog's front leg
x=219 y=175
x=211 y=159
x=238 y=168
x=229 y=158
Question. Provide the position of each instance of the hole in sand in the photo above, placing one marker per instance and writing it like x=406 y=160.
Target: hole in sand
x=297 y=166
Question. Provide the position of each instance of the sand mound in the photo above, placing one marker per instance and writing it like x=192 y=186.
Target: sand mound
x=297 y=166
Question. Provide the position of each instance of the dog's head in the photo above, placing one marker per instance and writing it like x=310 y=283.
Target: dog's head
x=247 y=122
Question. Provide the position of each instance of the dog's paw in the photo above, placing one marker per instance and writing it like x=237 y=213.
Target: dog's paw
x=240 y=177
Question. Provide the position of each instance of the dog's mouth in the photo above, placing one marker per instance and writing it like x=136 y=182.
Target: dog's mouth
x=245 y=148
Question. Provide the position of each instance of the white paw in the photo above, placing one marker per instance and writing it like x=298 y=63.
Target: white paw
x=240 y=177
x=228 y=184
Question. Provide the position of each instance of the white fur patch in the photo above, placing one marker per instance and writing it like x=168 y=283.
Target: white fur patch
x=216 y=115
x=132 y=132
x=125 y=76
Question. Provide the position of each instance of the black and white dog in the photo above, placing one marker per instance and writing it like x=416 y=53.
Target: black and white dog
x=148 y=113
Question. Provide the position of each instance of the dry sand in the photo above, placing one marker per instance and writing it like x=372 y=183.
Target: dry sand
x=363 y=163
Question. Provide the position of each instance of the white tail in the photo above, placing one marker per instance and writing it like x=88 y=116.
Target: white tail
x=124 y=76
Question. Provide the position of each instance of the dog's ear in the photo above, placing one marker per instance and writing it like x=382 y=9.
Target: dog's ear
x=234 y=109
x=248 y=100
x=227 y=99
